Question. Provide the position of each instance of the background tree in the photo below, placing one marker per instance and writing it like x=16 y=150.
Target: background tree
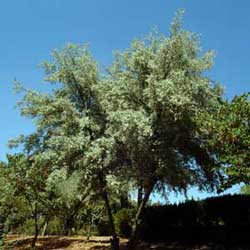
x=71 y=123
x=245 y=189
x=7 y=200
x=71 y=198
x=229 y=132
x=28 y=179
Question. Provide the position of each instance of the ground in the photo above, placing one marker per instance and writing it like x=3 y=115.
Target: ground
x=15 y=242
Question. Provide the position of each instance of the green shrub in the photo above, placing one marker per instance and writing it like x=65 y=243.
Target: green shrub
x=103 y=228
x=124 y=221
x=26 y=228
x=54 y=227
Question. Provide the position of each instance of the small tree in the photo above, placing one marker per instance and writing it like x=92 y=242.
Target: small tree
x=7 y=200
x=71 y=123
x=229 y=135
x=71 y=197
x=29 y=183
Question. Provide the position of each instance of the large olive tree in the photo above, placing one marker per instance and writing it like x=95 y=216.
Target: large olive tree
x=138 y=122
x=154 y=96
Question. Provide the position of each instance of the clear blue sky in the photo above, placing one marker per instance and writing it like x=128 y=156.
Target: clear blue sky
x=30 y=29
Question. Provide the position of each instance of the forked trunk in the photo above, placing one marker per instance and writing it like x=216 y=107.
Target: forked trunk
x=134 y=239
x=115 y=240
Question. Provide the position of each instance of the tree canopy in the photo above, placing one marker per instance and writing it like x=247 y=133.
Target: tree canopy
x=229 y=135
x=139 y=122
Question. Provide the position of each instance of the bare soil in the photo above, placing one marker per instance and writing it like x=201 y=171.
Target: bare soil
x=17 y=242
x=14 y=242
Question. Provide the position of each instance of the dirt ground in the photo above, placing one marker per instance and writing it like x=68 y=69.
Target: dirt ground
x=15 y=242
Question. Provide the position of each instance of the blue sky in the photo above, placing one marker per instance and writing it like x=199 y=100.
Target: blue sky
x=30 y=29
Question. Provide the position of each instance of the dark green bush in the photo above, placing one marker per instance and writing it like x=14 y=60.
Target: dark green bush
x=103 y=228
x=213 y=219
x=26 y=228
x=124 y=221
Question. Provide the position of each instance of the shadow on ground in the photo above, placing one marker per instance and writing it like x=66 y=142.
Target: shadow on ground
x=45 y=243
x=102 y=243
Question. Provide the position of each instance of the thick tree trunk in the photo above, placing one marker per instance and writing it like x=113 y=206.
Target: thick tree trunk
x=67 y=225
x=133 y=242
x=104 y=193
x=124 y=201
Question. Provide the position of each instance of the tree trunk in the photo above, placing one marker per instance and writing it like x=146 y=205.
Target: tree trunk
x=45 y=226
x=133 y=242
x=115 y=239
x=33 y=243
x=67 y=225
x=139 y=196
x=124 y=200
x=89 y=230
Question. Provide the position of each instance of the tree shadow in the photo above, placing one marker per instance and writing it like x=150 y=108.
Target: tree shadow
x=44 y=243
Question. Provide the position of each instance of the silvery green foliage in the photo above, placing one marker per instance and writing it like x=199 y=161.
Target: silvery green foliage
x=138 y=122
x=154 y=95
x=70 y=122
x=65 y=186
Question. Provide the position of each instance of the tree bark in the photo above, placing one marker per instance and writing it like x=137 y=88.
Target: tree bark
x=67 y=225
x=139 y=196
x=133 y=242
x=36 y=232
x=124 y=200
x=45 y=226
x=89 y=230
x=104 y=193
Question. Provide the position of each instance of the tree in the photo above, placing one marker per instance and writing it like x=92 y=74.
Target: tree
x=71 y=123
x=28 y=180
x=71 y=197
x=7 y=202
x=138 y=122
x=245 y=190
x=229 y=133
x=155 y=96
